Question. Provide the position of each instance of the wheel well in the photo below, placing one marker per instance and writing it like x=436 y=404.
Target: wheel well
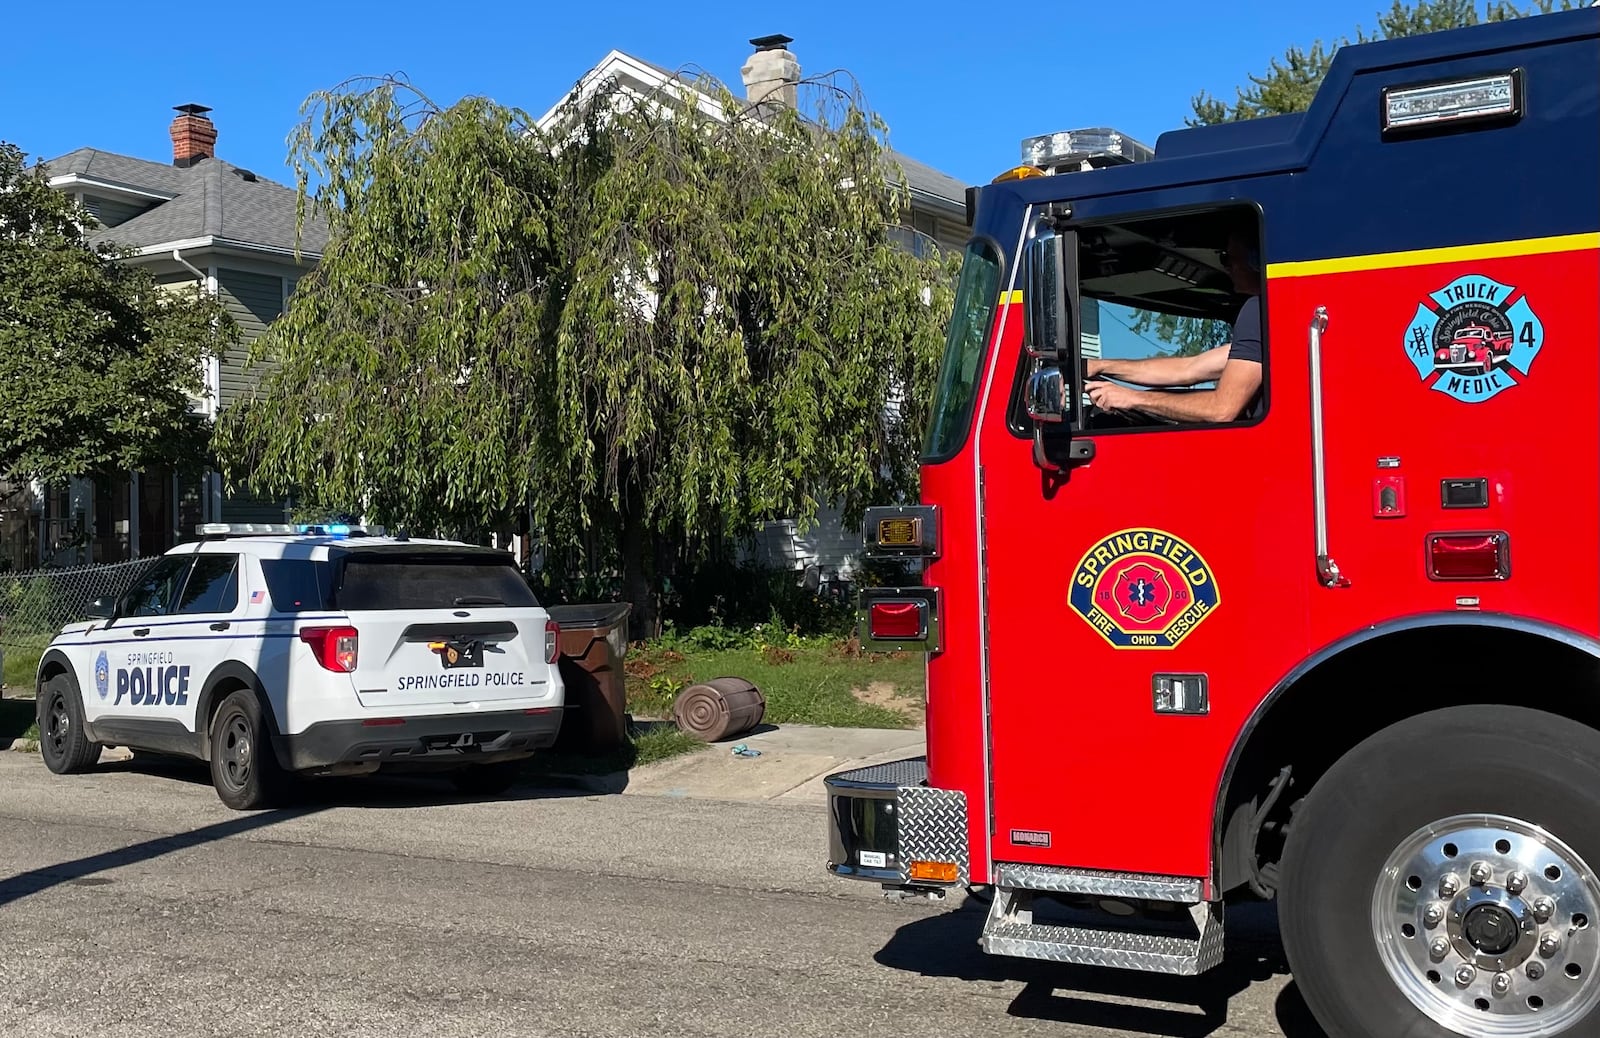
x=218 y=693
x=49 y=669
x=1365 y=688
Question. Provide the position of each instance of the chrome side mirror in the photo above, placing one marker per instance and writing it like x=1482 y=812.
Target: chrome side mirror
x=1042 y=297
x=1047 y=395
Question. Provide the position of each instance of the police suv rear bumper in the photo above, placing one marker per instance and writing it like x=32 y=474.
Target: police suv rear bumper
x=886 y=824
x=476 y=738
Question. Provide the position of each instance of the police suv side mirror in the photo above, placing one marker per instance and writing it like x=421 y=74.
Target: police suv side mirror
x=103 y=609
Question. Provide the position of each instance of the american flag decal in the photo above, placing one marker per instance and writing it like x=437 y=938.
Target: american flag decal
x=256 y=596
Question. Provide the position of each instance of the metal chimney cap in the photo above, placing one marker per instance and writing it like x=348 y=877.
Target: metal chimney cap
x=191 y=109
x=777 y=41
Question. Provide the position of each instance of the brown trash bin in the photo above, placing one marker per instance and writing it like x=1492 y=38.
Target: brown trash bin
x=594 y=640
x=719 y=709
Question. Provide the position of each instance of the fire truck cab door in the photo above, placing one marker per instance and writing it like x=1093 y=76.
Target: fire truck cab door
x=1137 y=594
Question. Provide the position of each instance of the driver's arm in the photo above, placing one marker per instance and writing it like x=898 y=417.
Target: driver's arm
x=1239 y=381
x=1163 y=371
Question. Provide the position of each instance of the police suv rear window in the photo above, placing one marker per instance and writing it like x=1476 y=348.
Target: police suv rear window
x=297 y=585
x=445 y=582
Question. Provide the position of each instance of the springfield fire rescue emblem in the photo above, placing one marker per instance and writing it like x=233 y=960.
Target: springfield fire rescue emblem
x=1143 y=589
x=1474 y=338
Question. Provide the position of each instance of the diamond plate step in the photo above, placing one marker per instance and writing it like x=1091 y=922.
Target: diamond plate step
x=1136 y=886
x=1129 y=943
x=1119 y=949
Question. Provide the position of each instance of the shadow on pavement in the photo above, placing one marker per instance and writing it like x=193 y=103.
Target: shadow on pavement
x=381 y=790
x=81 y=871
x=946 y=945
x=16 y=717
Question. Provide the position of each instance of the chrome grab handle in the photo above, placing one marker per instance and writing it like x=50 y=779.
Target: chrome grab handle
x=1327 y=569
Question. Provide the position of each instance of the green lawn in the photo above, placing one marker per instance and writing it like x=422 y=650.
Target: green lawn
x=22 y=664
x=818 y=681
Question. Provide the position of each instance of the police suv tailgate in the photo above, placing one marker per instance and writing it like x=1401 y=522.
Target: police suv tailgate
x=444 y=629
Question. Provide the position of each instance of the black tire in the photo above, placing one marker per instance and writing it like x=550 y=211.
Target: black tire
x=1530 y=766
x=244 y=770
x=487 y=779
x=64 y=741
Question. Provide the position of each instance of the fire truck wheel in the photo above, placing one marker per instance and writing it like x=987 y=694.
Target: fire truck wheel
x=1439 y=881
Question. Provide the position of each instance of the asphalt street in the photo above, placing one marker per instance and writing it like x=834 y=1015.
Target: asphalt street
x=133 y=903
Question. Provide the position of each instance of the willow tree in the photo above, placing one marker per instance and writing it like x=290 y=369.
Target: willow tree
x=653 y=323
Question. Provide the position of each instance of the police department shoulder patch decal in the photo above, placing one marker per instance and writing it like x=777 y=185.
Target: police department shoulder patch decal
x=102 y=675
x=1143 y=589
x=1474 y=338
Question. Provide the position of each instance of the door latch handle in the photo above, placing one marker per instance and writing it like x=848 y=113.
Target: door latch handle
x=140 y=632
x=221 y=625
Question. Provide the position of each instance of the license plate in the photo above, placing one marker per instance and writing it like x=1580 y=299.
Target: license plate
x=900 y=533
x=461 y=654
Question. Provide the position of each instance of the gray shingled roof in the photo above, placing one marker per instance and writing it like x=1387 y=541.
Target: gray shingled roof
x=211 y=199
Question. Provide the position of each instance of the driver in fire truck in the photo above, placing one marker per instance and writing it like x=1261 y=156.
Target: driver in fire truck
x=1235 y=366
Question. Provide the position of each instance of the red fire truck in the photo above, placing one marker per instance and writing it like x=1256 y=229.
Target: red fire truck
x=1342 y=651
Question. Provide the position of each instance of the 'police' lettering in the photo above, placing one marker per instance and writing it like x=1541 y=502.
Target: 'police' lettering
x=153 y=686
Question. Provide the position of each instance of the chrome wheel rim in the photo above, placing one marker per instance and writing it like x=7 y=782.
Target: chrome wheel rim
x=1490 y=926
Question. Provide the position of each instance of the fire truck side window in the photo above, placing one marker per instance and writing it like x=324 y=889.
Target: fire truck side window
x=968 y=336
x=1158 y=296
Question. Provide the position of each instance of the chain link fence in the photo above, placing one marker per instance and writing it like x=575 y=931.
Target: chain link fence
x=36 y=604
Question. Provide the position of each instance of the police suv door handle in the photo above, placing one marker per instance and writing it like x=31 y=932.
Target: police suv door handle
x=140 y=632
x=221 y=625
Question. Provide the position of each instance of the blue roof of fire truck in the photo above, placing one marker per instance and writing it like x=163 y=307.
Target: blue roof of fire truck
x=1553 y=94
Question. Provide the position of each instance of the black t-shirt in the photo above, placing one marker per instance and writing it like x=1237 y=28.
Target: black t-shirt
x=1247 y=332
x=1247 y=346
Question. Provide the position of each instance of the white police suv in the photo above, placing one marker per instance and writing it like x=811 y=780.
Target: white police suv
x=270 y=651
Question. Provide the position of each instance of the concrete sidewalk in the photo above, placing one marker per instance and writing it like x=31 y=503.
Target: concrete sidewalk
x=793 y=762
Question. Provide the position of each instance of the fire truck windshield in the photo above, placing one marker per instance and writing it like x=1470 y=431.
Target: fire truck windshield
x=964 y=348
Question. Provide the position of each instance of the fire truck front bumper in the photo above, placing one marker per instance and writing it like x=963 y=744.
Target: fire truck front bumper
x=887 y=825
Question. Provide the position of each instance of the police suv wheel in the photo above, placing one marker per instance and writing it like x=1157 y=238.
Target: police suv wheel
x=243 y=769
x=64 y=742
x=1439 y=881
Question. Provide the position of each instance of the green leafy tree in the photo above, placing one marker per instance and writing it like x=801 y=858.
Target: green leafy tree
x=637 y=333
x=98 y=364
x=1290 y=84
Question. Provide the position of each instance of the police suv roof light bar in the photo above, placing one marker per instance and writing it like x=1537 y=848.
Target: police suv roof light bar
x=213 y=530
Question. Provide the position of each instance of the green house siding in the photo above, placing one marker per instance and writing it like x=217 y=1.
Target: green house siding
x=111 y=212
x=254 y=301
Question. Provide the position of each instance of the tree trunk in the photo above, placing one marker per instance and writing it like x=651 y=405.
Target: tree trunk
x=636 y=583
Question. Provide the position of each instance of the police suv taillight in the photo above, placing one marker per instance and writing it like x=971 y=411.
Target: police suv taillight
x=334 y=647
x=552 y=641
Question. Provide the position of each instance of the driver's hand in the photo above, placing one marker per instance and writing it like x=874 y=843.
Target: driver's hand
x=1109 y=396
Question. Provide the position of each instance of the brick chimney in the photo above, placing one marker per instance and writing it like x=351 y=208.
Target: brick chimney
x=772 y=72
x=194 y=137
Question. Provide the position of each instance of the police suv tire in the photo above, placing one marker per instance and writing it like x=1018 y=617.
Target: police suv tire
x=244 y=769
x=487 y=779
x=64 y=741
x=1470 y=760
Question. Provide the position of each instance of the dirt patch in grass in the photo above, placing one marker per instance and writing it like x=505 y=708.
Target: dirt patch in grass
x=889 y=696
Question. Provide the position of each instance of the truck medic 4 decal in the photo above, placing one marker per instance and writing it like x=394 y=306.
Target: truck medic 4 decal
x=1143 y=589
x=1474 y=338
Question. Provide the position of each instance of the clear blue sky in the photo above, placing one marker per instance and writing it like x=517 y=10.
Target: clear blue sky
x=958 y=84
